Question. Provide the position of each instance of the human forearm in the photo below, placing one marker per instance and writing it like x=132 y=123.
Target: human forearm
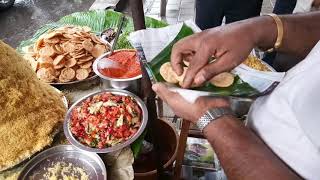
x=242 y=154
x=301 y=33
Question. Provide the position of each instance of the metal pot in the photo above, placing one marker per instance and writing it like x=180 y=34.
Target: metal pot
x=240 y=106
x=168 y=148
x=117 y=83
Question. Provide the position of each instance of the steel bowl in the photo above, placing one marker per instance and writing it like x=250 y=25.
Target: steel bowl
x=39 y=164
x=240 y=106
x=78 y=145
x=116 y=83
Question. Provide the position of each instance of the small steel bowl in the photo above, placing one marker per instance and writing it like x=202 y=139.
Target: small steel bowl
x=116 y=83
x=78 y=145
x=41 y=163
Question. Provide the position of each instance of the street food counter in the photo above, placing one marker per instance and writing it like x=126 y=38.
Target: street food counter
x=80 y=106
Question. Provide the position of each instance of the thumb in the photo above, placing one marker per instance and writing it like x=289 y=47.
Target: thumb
x=225 y=63
x=163 y=92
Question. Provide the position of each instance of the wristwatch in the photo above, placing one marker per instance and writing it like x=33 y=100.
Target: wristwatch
x=212 y=115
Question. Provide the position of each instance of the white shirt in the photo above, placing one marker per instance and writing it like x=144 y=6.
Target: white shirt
x=288 y=120
x=303 y=6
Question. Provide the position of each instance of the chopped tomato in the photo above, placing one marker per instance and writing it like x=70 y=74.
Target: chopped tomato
x=105 y=120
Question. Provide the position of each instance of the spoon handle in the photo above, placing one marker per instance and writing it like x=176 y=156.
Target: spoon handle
x=119 y=28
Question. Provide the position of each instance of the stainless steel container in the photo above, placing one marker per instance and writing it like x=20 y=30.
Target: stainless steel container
x=40 y=165
x=240 y=106
x=130 y=84
x=76 y=143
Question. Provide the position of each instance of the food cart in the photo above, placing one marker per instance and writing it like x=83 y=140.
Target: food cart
x=80 y=85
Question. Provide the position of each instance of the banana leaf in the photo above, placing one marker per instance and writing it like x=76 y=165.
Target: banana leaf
x=164 y=55
x=238 y=88
x=137 y=145
x=38 y=33
x=97 y=20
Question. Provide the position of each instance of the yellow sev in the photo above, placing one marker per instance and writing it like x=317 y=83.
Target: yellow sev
x=255 y=63
x=30 y=113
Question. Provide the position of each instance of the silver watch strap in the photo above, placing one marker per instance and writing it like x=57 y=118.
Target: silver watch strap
x=211 y=115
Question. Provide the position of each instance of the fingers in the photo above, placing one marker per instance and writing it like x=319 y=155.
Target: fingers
x=173 y=99
x=185 y=46
x=163 y=92
x=199 y=60
x=225 y=63
x=188 y=57
x=177 y=103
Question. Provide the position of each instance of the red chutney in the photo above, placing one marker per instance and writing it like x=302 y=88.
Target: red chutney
x=130 y=66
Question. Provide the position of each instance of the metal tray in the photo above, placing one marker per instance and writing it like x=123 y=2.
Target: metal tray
x=91 y=163
x=64 y=98
x=75 y=82
x=77 y=144
x=95 y=76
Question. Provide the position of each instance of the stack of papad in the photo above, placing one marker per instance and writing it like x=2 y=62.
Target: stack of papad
x=30 y=110
x=65 y=54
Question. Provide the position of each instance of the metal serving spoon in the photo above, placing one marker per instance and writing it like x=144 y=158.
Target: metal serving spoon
x=106 y=62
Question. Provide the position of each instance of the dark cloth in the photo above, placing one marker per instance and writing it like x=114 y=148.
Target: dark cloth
x=209 y=13
x=284 y=6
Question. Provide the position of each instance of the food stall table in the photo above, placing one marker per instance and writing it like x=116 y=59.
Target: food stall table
x=76 y=91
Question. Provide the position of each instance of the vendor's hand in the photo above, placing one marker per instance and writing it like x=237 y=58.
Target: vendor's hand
x=184 y=109
x=229 y=44
x=316 y=3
